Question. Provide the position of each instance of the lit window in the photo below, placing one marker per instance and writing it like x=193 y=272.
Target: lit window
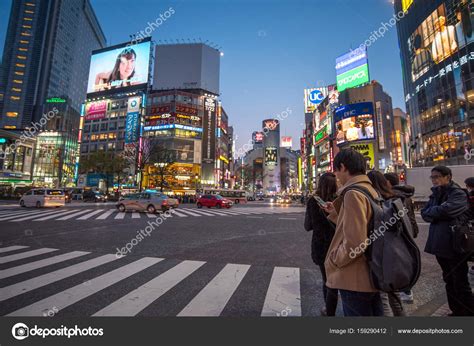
x=20 y=65
x=23 y=49
x=14 y=98
x=25 y=42
x=16 y=89
x=12 y=114
x=19 y=73
x=25 y=34
x=9 y=127
x=28 y=11
x=21 y=57
x=18 y=81
x=30 y=4
x=26 y=26
x=28 y=19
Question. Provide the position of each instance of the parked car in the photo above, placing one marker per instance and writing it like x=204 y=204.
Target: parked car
x=43 y=198
x=213 y=201
x=94 y=196
x=149 y=202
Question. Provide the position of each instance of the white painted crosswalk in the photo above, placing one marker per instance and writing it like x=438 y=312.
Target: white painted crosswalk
x=280 y=292
x=113 y=214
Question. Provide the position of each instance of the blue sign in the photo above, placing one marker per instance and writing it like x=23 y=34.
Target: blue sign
x=172 y=126
x=353 y=110
x=316 y=97
x=93 y=179
x=351 y=60
x=131 y=128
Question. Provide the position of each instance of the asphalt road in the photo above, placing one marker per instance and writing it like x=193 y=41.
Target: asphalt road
x=88 y=259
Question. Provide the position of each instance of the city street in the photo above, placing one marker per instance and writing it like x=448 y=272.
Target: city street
x=250 y=260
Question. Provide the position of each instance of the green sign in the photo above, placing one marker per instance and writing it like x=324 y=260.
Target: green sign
x=3 y=140
x=55 y=100
x=321 y=134
x=353 y=78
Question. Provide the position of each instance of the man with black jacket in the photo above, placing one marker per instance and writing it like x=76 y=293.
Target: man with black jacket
x=447 y=203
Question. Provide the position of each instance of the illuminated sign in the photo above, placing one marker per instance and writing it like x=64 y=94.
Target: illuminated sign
x=271 y=156
x=313 y=97
x=406 y=4
x=55 y=100
x=257 y=137
x=354 y=122
x=3 y=140
x=367 y=150
x=172 y=126
x=321 y=135
x=286 y=142
x=119 y=67
x=316 y=96
x=271 y=125
x=352 y=69
x=132 y=120
x=223 y=158
x=96 y=110
x=186 y=110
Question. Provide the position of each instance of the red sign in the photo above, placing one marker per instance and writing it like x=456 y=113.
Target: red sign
x=96 y=110
x=271 y=124
x=286 y=142
x=186 y=110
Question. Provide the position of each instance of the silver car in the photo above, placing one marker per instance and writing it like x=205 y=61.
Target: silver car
x=149 y=202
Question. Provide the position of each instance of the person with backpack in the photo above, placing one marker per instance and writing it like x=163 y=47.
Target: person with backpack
x=391 y=301
x=323 y=231
x=405 y=192
x=351 y=212
x=447 y=203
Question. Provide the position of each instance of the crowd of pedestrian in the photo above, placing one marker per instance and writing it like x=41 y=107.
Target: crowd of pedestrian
x=343 y=214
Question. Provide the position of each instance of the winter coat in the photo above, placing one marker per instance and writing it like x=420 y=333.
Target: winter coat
x=323 y=231
x=405 y=193
x=445 y=204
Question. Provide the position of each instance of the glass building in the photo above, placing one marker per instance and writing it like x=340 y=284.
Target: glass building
x=437 y=54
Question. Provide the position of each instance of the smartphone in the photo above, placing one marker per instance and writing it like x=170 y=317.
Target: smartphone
x=321 y=203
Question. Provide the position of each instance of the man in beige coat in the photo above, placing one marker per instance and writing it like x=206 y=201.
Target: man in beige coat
x=346 y=265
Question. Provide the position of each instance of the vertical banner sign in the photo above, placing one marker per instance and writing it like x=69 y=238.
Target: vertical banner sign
x=209 y=125
x=132 y=121
x=378 y=108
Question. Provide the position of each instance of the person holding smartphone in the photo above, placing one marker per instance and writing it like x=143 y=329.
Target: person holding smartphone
x=323 y=232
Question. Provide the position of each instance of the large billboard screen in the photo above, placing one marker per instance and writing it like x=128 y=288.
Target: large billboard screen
x=119 y=67
x=354 y=122
x=352 y=69
x=271 y=156
x=439 y=36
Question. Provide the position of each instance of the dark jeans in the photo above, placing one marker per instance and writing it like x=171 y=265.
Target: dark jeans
x=330 y=294
x=361 y=303
x=458 y=289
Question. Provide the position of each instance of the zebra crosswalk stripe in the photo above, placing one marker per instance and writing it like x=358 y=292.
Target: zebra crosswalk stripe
x=54 y=215
x=22 y=255
x=190 y=212
x=12 y=248
x=204 y=212
x=106 y=214
x=137 y=300
x=40 y=264
x=88 y=216
x=11 y=215
x=46 y=279
x=178 y=213
x=73 y=295
x=74 y=215
x=214 y=297
x=33 y=215
x=119 y=216
x=283 y=293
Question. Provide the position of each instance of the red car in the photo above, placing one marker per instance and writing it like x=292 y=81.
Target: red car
x=213 y=201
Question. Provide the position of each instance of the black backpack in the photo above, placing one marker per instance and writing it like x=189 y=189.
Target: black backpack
x=463 y=232
x=392 y=254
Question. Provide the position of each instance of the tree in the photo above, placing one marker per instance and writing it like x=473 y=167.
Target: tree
x=99 y=162
x=163 y=159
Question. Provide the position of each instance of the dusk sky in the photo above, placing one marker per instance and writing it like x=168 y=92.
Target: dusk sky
x=272 y=49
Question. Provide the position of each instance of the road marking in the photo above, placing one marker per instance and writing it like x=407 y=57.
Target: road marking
x=217 y=212
x=254 y=217
x=151 y=216
x=287 y=218
x=106 y=214
x=205 y=212
x=186 y=211
x=178 y=213
x=40 y=264
x=12 y=248
x=46 y=279
x=137 y=300
x=87 y=216
x=135 y=215
x=213 y=298
x=79 y=292
x=75 y=214
x=10 y=215
x=120 y=216
x=283 y=293
x=29 y=217
x=26 y=254
x=55 y=215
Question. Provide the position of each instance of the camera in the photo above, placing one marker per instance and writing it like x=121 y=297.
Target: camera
x=21 y=332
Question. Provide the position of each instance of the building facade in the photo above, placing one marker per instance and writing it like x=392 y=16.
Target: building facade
x=436 y=42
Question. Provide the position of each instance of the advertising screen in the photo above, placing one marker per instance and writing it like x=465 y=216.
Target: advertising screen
x=96 y=110
x=257 y=137
x=271 y=156
x=352 y=69
x=439 y=36
x=286 y=142
x=354 y=122
x=119 y=67
x=367 y=150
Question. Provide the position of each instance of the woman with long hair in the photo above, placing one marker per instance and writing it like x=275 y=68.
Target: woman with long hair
x=323 y=232
x=122 y=73
x=391 y=301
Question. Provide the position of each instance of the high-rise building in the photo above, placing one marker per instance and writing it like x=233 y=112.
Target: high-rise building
x=436 y=42
x=45 y=66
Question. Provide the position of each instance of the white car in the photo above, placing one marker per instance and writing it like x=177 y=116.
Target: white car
x=43 y=198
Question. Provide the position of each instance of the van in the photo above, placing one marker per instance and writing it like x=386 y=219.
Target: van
x=43 y=198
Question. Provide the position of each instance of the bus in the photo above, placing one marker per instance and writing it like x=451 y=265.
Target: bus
x=236 y=196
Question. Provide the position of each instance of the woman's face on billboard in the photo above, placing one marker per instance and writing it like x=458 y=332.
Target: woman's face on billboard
x=127 y=66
